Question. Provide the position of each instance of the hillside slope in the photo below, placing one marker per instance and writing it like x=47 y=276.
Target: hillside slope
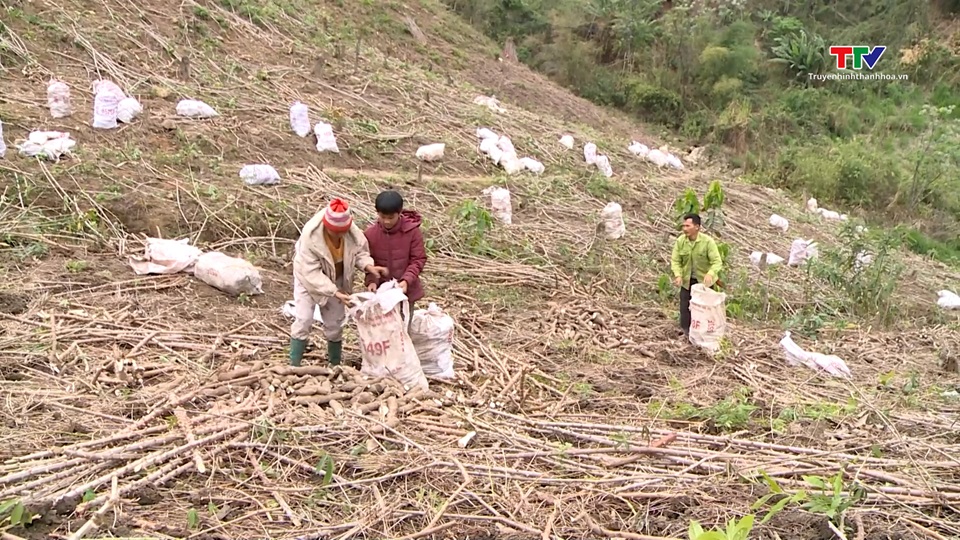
x=567 y=352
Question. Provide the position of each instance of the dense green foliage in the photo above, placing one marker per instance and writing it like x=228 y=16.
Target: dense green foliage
x=736 y=75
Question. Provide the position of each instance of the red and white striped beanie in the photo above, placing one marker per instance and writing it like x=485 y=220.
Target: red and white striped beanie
x=337 y=217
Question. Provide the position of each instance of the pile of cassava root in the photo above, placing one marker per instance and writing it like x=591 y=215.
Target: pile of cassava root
x=188 y=431
x=338 y=388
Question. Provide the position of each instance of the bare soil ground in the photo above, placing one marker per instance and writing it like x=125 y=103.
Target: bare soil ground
x=157 y=406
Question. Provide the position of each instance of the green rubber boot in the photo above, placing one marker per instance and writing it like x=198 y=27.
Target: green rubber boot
x=334 y=352
x=297 y=348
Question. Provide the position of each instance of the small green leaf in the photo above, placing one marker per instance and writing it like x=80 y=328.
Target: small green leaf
x=325 y=467
x=815 y=481
x=771 y=483
x=762 y=501
x=193 y=518
x=16 y=516
x=781 y=504
x=212 y=508
x=89 y=495
x=5 y=506
x=745 y=526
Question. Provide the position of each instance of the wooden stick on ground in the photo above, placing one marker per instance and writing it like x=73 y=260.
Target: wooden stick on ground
x=91 y=523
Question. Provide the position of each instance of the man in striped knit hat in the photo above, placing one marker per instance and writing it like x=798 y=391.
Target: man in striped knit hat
x=330 y=247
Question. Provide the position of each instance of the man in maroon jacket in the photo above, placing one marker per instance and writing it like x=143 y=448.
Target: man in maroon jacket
x=396 y=243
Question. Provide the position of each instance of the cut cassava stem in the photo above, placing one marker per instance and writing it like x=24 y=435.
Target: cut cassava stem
x=150 y=460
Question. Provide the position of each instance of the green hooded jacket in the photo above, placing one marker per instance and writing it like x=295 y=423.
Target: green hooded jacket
x=699 y=257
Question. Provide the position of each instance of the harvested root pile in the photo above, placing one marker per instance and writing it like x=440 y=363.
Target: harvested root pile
x=170 y=441
x=590 y=325
x=337 y=388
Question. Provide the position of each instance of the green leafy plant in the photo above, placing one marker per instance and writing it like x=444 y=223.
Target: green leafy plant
x=688 y=203
x=724 y=249
x=713 y=207
x=665 y=287
x=831 y=501
x=474 y=222
x=801 y=52
x=732 y=413
x=776 y=492
x=735 y=530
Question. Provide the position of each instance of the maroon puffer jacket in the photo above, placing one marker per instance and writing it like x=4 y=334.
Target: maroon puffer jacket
x=400 y=250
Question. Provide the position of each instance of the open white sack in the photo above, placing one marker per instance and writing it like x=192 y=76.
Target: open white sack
x=385 y=346
x=795 y=355
x=708 y=317
x=47 y=144
x=289 y=307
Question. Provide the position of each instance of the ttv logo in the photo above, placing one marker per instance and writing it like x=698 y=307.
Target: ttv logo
x=862 y=55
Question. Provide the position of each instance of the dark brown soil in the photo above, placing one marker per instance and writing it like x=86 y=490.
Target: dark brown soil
x=12 y=304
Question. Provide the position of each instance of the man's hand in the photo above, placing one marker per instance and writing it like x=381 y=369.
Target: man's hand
x=678 y=281
x=709 y=280
x=372 y=287
x=344 y=298
x=377 y=271
x=403 y=286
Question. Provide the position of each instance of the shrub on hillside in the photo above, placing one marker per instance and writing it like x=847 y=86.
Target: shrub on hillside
x=654 y=103
x=850 y=174
x=866 y=288
x=865 y=178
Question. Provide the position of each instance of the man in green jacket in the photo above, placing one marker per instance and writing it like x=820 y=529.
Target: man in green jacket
x=695 y=259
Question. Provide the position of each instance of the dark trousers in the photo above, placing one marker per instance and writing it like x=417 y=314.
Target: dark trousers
x=685 y=307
